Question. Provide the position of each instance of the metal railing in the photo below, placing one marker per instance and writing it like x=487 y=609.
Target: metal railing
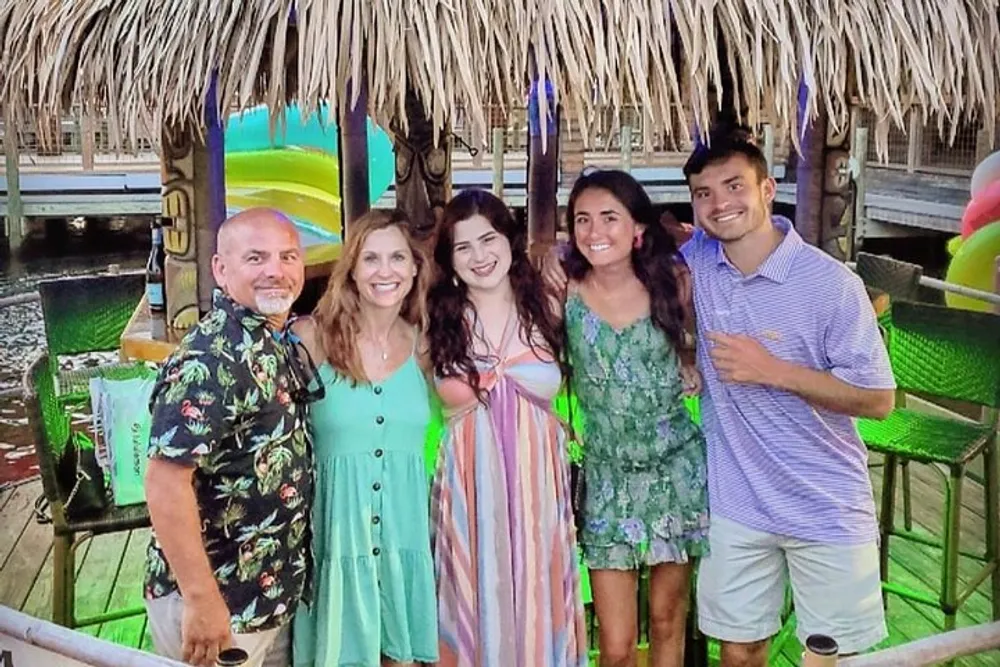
x=927 y=147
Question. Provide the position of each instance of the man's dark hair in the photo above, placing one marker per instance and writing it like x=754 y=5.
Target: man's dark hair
x=722 y=145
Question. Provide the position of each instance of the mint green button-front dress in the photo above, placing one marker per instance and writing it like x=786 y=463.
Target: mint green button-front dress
x=373 y=591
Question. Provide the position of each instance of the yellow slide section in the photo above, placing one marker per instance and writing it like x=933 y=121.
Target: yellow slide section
x=303 y=184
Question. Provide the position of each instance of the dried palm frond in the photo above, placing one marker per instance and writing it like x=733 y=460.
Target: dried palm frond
x=151 y=62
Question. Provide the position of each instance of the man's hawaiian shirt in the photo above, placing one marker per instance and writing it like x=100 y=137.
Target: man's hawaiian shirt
x=223 y=403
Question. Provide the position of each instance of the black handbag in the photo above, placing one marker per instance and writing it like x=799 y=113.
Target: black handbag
x=80 y=478
x=577 y=480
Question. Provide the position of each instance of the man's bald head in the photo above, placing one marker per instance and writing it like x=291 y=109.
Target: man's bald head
x=259 y=261
x=249 y=220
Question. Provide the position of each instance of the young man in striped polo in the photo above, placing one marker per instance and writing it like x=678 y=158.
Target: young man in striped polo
x=790 y=353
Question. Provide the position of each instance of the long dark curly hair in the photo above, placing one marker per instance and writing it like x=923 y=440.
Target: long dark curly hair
x=450 y=331
x=654 y=262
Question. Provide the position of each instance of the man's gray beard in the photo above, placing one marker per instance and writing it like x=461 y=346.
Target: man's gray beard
x=272 y=305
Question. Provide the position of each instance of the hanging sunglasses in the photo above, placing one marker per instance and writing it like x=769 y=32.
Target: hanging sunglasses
x=309 y=388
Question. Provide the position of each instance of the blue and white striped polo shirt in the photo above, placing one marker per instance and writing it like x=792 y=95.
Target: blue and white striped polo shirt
x=776 y=463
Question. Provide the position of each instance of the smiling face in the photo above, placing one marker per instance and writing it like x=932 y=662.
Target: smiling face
x=259 y=262
x=603 y=229
x=385 y=269
x=480 y=254
x=729 y=198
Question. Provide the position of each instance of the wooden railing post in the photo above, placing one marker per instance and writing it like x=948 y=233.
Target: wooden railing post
x=626 y=147
x=15 y=207
x=915 y=140
x=86 y=129
x=499 y=146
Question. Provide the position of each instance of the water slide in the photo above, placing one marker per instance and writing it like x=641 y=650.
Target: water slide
x=296 y=171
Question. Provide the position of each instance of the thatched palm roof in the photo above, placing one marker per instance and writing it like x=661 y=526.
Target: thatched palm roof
x=150 y=61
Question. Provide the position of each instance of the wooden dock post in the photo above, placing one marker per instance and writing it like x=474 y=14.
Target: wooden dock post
x=15 y=206
x=498 y=147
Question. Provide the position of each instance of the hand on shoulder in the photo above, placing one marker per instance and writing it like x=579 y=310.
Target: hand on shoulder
x=308 y=332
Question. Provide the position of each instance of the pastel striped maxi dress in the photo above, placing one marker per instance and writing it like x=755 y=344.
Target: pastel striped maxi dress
x=502 y=523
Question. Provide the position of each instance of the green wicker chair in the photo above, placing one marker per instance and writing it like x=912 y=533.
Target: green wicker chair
x=954 y=354
x=82 y=314
x=901 y=281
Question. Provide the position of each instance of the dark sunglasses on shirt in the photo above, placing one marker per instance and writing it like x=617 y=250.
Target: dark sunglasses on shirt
x=308 y=388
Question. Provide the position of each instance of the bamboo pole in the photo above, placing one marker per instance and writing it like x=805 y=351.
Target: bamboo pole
x=932 y=650
x=33 y=641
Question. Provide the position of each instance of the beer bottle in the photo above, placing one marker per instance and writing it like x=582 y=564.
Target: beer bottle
x=155 y=284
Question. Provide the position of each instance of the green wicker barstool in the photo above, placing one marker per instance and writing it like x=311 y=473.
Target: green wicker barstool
x=955 y=354
x=82 y=314
x=901 y=282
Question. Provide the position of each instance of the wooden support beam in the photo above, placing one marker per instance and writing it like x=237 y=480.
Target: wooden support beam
x=823 y=206
x=15 y=209
x=192 y=172
x=543 y=169
x=809 y=178
x=423 y=166
x=355 y=195
x=211 y=196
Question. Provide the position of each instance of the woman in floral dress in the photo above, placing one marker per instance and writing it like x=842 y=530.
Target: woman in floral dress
x=645 y=501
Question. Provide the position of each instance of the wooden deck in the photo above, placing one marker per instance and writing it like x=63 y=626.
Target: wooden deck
x=110 y=569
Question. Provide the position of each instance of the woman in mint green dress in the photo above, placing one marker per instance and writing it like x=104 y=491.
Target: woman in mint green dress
x=373 y=592
x=645 y=501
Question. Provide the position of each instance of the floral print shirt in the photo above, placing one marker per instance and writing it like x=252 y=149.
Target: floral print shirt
x=223 y=403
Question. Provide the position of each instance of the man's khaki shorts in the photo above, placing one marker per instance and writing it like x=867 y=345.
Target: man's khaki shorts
x=269 y=648
x=741 y=588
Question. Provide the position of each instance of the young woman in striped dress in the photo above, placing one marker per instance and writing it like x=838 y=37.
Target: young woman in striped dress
x=502 y=520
